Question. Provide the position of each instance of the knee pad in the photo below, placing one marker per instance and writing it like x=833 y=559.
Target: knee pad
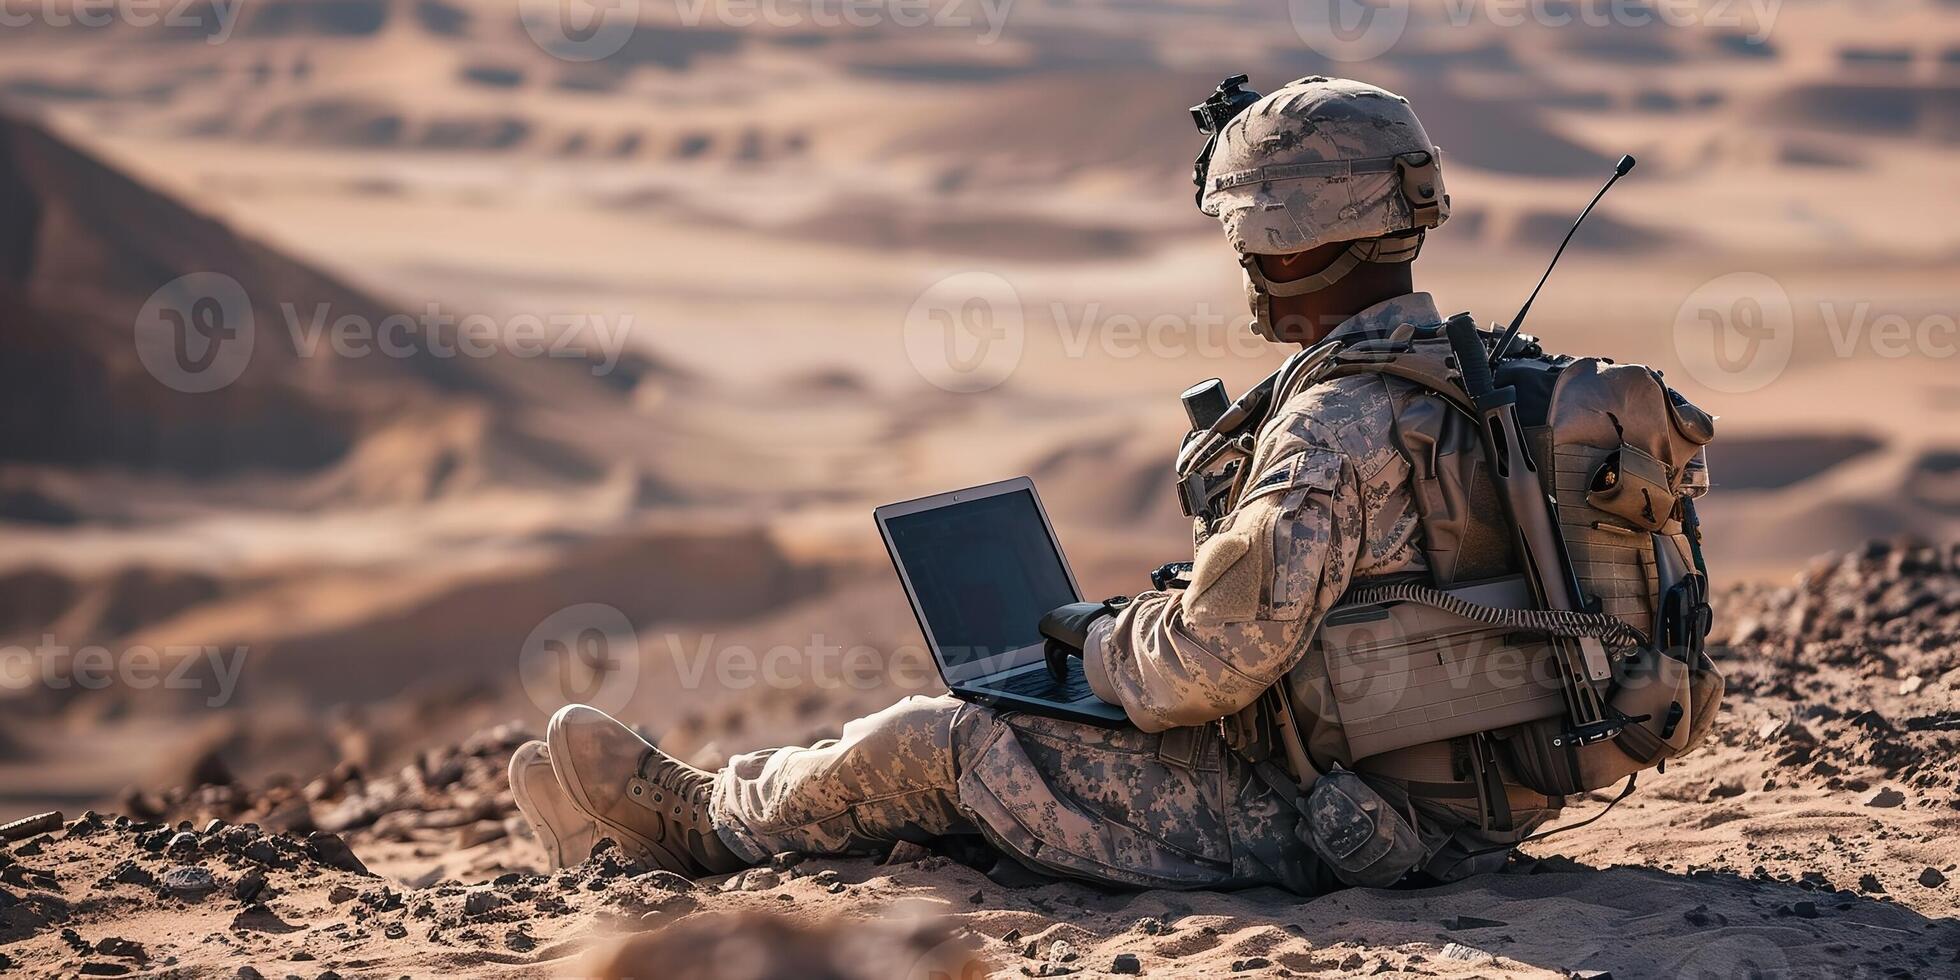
x=1363 y=838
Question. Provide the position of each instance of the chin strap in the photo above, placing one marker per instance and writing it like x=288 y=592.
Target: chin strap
x=1260 y=290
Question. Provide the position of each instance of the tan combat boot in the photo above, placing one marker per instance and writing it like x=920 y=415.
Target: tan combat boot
x=653 y=804
x=564 y=830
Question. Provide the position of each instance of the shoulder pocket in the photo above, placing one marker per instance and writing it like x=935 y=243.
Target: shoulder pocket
x=1254 y=567
x=1303 y=469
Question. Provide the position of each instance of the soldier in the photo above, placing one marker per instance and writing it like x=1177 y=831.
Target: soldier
x=1325 y=189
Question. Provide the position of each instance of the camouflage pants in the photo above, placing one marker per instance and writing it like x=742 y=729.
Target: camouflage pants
x=1117 y=805
x=1174 y=809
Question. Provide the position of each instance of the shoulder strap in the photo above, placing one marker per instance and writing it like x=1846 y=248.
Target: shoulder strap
x=1426 y=363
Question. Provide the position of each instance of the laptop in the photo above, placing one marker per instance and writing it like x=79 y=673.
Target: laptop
x=981 y=566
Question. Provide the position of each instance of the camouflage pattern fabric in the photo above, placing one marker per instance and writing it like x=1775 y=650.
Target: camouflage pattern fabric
x=1326 y=501
x=1165 y=804
x=1114 y=805
x=1314 y=162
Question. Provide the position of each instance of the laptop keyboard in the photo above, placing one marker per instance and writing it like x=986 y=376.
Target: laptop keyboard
x=1038 y=684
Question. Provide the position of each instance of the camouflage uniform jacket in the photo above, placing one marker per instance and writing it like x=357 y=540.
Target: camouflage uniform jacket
x=1326 y=502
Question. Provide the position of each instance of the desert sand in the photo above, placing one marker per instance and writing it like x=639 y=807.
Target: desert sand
x=1815 y=837
x=351 y=562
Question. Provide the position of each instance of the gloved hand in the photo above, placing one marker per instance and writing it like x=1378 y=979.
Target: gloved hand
x=1066 y=629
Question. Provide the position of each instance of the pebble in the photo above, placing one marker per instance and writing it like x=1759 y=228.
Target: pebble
x=1466 y=954
x=1932 y=878
x=330 y=850
x=122 y=949
x=753 y=880
x=263 y=851
x=1700 y=917
x=188 y=882
x=257 y=916
x=1126 y=963
x=131 y=873
x=1886 y=798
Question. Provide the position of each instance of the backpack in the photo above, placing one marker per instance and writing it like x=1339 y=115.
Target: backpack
x=1454 y=670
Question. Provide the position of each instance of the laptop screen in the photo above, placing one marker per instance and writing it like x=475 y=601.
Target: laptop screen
x=983 y=572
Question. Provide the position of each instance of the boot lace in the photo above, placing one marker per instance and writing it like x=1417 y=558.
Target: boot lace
x=676 y=777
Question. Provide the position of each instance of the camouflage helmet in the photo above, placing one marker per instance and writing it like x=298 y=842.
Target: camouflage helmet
x=1323 y=160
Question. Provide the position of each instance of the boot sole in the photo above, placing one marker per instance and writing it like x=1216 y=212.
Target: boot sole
x=549 y=836
x=626 y=836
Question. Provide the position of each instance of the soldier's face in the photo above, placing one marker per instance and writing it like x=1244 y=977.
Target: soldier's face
x=1302 y=319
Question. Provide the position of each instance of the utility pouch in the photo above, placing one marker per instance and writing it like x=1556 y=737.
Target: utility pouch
x=1633 y=486
x=1404 y=673
x=1670 y=705
x=1358 y=832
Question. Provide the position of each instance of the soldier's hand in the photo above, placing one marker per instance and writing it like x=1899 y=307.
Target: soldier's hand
x=1066 y=630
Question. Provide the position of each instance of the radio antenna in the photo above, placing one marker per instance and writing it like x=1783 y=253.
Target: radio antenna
x=1504 y=344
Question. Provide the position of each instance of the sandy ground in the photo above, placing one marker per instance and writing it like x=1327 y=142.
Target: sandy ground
x=1814 y=837
x=354 y=563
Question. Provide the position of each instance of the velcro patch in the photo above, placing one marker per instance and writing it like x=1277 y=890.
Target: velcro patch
x=1313 y=469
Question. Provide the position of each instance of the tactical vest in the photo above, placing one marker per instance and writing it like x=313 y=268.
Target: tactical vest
x=1445 y=681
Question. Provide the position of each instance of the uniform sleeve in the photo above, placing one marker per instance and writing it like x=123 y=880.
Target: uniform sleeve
x=1259 y=587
